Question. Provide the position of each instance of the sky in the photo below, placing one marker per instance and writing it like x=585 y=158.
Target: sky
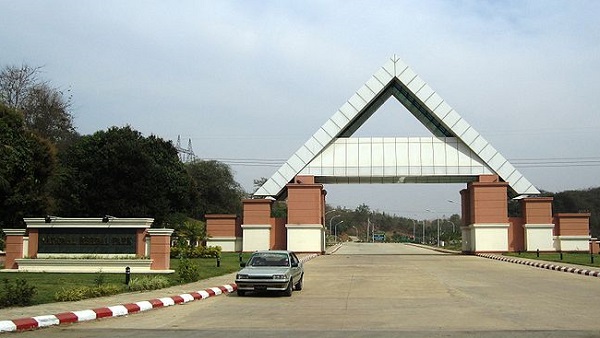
x=248 y=82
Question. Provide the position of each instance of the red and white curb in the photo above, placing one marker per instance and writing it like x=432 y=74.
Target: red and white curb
x=335 y=248
x=308 y=258
x=111 y=311
x=541 y=265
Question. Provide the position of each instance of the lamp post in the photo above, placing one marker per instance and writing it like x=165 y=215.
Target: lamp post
x=331 y=222
x=335 y=228
x=449 y=221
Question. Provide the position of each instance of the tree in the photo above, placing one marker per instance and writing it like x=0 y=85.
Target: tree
x=259 y=183
x=192 y=231
x=216 y=187
x=121 y=173
x=45 y=109
x=15 y=83
x=28 y=162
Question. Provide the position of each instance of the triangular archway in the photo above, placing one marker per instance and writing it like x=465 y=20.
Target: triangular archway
x=455 y=153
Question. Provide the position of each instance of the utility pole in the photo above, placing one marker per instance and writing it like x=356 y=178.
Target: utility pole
x=438 y=237
x=368 y=226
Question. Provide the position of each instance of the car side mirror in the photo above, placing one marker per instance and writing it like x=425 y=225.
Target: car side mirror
x=242 y=265
x=294 y=265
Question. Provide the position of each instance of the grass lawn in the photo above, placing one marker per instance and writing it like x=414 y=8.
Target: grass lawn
x=47 y=284
x=579 y=258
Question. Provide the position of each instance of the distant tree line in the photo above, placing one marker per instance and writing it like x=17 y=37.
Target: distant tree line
x=362 y=222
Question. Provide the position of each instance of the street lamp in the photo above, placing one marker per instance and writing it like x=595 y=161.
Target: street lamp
x=330 y=211
x=449 y=221
x=335 y=228
x=331 y=221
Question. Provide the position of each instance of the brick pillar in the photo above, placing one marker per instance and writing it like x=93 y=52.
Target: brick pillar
x=489 y=203
x=160 y=248
x=13 y=247
x=222 y=230
x=140 y=242
x=572 y=231
x=537 y=223
x=305 y=203
x=256 y=227
x=305 y=230
x=32 y=249
x=487 y=226
x=465 y=207
x=257 y=211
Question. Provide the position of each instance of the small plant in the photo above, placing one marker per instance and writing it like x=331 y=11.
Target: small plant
x=18 y=294
x=187 y=271
x=148 y=283
x=100 y=278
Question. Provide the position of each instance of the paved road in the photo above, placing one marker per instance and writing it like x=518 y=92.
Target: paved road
x=383 y=290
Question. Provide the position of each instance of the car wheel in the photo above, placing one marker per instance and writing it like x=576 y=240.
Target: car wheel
x=241 y=293
x=288 y=291
x=300 y=283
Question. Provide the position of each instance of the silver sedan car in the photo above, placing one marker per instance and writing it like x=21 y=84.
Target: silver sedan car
x=275 y=270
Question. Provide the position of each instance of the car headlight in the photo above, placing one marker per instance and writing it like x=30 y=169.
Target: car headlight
x=239 y=276
x=279 y=277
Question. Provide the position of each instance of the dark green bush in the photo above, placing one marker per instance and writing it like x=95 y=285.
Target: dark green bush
x=187 y=271
x=18 y=294
x=195 y=252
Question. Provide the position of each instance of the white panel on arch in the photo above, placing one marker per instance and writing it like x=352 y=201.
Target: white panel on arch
x=458 y=153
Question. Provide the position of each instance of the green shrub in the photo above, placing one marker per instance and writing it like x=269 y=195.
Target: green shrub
x=71 y=294
x=148 y=283
x=99 y=278
x=195 y=252
x=84 y=292
x=19 y=293
x=187 y=271
x=105 y=290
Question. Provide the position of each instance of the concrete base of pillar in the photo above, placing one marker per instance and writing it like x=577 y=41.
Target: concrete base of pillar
x=572 y=243
x=256 y=237
x=485 y=238
x=227 y=244
x=539 y=237
x=306 y=238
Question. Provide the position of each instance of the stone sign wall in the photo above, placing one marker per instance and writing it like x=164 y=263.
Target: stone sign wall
x=87 y=241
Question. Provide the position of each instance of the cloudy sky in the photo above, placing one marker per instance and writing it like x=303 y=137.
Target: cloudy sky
x=248 y=82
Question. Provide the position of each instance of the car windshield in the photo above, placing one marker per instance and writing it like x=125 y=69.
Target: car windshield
x=269 y=259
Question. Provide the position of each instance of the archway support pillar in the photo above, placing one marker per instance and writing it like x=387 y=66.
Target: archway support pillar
x=485 y=213
x=306 y=205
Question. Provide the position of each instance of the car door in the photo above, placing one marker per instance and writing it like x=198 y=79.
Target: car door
x=296 y=271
